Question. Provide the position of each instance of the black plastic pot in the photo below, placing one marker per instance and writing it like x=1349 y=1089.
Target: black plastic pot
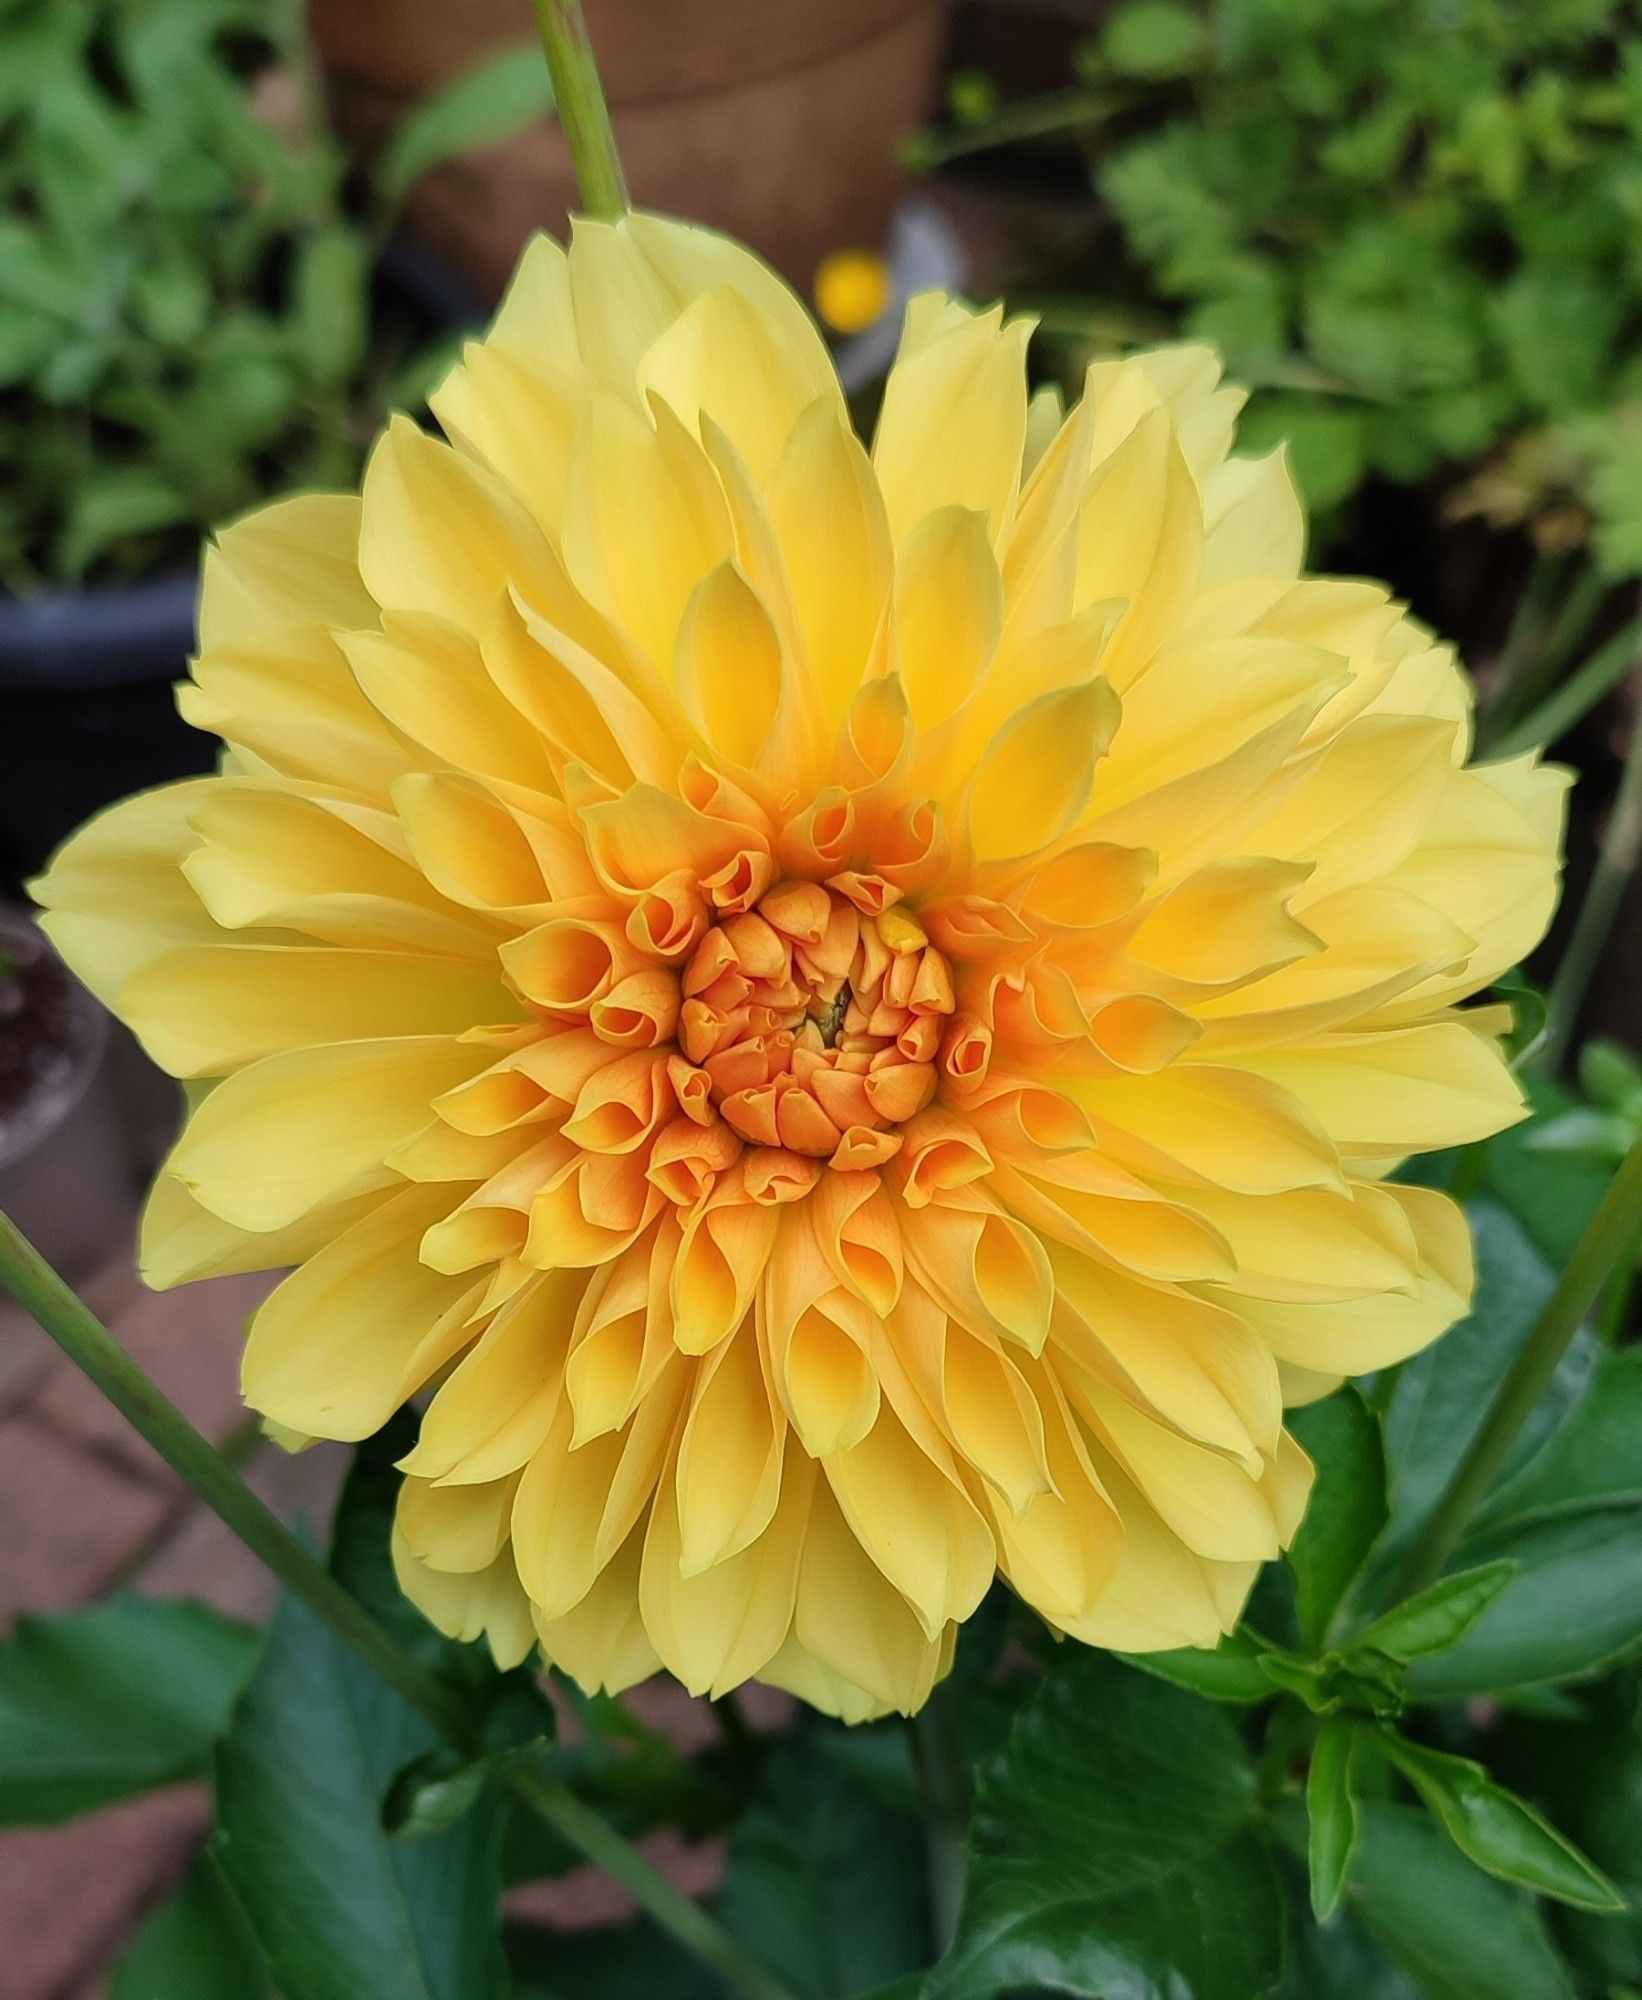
x=86 y=676
x=86 y=713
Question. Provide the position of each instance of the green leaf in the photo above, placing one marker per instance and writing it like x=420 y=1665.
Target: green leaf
x=1457 y=1933
x=340 y=1910
x=1587 y=1772
x=99 y=1705
x=1331 y=1809
x=1434 y=1618
x=1442 y=1395
x=1231 y=1671
x=615 y=1962
x=1347 y=1508
x=1612 y=1075
x=825 y=1884
x=1111 y=1851
x=195 y=1947
x=1594 y=1460
x=432 y=1794
x=1337 y=1960
x=497 y=100
x=1496 y=1829
x=1574 y=1607
x=118 y=506
x=332 y=300
x=1154 y=38
x=1552 y=1195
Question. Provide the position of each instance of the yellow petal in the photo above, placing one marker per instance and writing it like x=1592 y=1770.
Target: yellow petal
x=948 y=611
x=208 y=1009
x=439 y=534
x=1411 y=1090
x=339 y=1345
x=1035 y=779
x=311 y=1125
x=828 y=518
x=952 y=428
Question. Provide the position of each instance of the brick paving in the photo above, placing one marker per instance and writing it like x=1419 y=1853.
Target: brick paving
x=88 y=1508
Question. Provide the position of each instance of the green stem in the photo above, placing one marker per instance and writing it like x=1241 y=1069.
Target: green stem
x=88 y=1343
x=944 y=1797
x=1528 y=626
x=1610 y=1236
x=1616 y=863
x=1043 y=117
x=686 y=1921
x=578 y=99
x=1566 y=634
x=1576 y=697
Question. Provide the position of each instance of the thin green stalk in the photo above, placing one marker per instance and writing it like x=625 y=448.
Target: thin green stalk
x=1576 y=697
x=1565 y=636
x=88 y=1343
x=1616 y=863
x=944 y=1798
x=687 y=1921
x=1610 y=1236
x=1528 y=626
x=579 y=101
x=1044 y=117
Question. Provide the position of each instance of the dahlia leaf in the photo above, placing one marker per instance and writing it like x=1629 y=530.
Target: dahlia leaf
x=825 y=1883
x=1552 y=1194
x=1435 y=1618
x=1232 y=1671
x=1441 y=1396
x=1331 y=1808
x=1574 y=1608
x=1595 y=1459
x=339 y=1910
x=195 y=1947
x=1112 y=1851
x=1586 y=1771
x=610 y=1962
x=102 y=1704
x=1456 y=1933
x=1347 y=1511
x=1497 y=1830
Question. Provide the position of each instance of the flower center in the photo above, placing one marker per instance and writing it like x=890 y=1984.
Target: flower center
x=812 y=1025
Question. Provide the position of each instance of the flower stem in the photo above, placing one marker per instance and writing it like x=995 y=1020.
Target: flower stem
x=943 y=1796
x=579 y=100
x=1558 y=641
x=1616 y=863
x=588 y=1831
x=1577 y=696
x=88 y=1343
x=1610 y=1236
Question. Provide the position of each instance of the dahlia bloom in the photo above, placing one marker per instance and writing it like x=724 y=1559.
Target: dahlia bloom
x=843 y=1018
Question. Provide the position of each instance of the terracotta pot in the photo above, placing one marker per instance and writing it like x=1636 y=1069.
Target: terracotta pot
x=777 y=120
x=66 y=1174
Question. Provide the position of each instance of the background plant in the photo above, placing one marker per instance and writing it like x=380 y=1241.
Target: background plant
x=1414 y=222
x=187 y=318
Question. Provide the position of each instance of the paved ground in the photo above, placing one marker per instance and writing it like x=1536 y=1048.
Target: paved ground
x=88 y=1508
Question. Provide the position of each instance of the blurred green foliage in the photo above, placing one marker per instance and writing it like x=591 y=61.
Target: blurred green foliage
x=186 y=302
x=1418 y=222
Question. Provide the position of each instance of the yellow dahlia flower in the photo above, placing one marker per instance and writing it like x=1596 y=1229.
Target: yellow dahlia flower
x=844 y=1017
